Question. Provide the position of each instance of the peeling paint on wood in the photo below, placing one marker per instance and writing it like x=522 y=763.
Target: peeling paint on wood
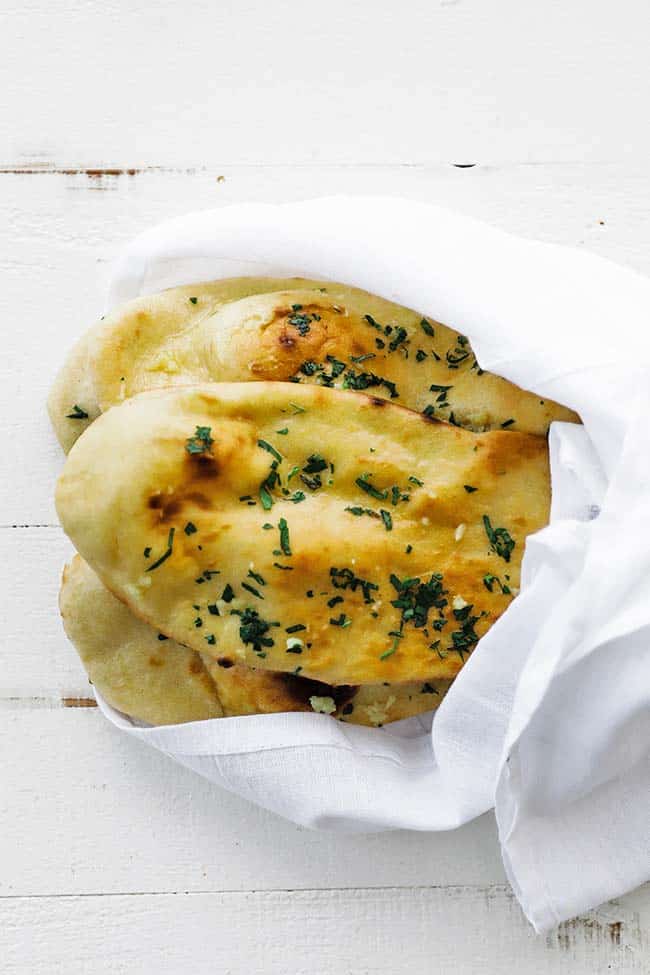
x=78 y=702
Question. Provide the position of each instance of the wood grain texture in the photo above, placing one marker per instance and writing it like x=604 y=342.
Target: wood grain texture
x=456 y=930
x=87 y=810
x=119 y=115
x=131 y=85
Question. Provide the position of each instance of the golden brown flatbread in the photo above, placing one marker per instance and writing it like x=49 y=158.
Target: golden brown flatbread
x=247 y=329
x=155 y=679
x=305 y=530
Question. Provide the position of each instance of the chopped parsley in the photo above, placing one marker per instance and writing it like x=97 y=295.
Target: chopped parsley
x=285 y=544
x=369 y=488
x=190 y=528
x=257 y=577
x=228 y=594
x=427 y=328
x=253 y=630
x=470 y=488
x=458 y=354
x=389 y=653
x=387 y=519
x=465 y=639
x=271 y=450
x=508 y=423
x=341 y=620
x=489 y=582
x=201 y=442
x=166 y=553
x=366 y=380
x=194 y=300
x=356 y=510
x=501 y=541
x=77 y=413
x=346 y=579
x=416 y=598
x=252 y=590
x=312 y=470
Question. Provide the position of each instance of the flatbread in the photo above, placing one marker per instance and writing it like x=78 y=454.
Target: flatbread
x=285 y=526
x=156 y=680
x=248 y=329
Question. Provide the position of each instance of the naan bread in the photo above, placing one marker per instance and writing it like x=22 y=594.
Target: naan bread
x=245 y=329
x=305 y=530
x=154 y=679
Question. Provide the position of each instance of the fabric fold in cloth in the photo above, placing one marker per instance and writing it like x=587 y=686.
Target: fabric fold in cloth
x=549 y=720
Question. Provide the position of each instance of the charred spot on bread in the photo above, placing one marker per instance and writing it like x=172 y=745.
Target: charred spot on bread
x=300 y=689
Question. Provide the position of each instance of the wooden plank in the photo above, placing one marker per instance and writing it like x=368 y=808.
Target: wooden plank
x=123 y=85
x=58 y=234
x=458 y=931
x=87 y=810
x=40 y=663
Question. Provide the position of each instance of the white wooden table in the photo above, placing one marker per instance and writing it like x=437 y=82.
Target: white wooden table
x=119 y=113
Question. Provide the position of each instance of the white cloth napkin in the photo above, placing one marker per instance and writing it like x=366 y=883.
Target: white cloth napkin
x=549 y=721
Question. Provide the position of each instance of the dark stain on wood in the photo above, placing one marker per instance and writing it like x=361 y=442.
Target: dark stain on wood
x=594 y=930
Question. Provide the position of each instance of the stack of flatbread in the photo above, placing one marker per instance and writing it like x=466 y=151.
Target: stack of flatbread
x=288 y=495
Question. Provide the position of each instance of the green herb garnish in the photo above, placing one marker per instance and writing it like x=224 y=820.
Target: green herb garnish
x=77 y=413
x=341 y=620
x=252 y=590
x=346 y=579
x=369 y=488
x=253 y=629
x=271 y=450
x=166 y=553
x=285 y=544
x=501 y=541
x=201 y=442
